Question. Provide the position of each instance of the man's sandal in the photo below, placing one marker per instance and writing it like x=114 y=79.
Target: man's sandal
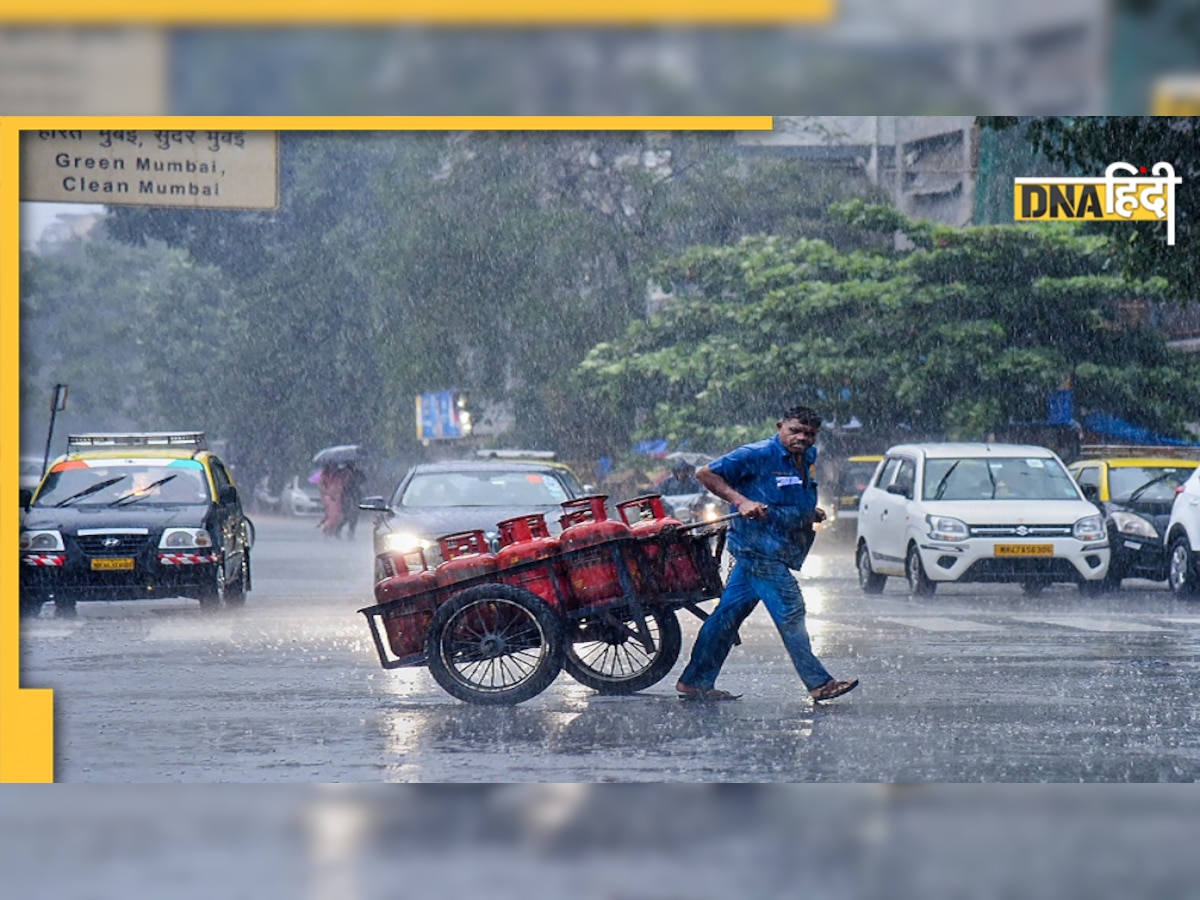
x=832 y=688
x=687 y=692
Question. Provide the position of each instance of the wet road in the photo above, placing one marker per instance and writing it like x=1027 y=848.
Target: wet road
x=976 y=683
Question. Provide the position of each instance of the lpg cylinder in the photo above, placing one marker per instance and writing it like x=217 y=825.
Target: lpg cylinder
x=526 y=539
x=593 y=573
x=465 y=554
x=406 y=622
x=647 y=518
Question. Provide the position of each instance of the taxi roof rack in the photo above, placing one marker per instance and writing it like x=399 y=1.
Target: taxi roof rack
x=516 y=454
x=184 y=439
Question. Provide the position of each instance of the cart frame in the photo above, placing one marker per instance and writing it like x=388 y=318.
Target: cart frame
x=488 y=641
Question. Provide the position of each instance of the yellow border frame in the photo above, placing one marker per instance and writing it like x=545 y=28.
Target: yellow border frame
x=422 y=12
x=26 y=715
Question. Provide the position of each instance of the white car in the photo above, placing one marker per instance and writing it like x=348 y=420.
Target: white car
x=947 y=512
x=299 y=497
x=1182 y=539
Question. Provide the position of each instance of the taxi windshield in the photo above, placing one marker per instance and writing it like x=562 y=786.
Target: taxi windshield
x=156 y=484
x=1151 y=483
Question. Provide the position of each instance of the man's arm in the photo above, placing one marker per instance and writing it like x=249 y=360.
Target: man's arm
x=751 y=509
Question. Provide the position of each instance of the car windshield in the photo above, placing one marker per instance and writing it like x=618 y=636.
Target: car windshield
x=155 y=484
x=441 y=489
x=997 y=478
x=1146 y=482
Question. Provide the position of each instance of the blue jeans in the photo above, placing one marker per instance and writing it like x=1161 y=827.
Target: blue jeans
x=752 y=580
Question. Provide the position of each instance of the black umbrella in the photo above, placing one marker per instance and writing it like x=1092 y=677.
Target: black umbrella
x=332 y=456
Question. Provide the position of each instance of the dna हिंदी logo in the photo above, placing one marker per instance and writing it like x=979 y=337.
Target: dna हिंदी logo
x=1125 y=193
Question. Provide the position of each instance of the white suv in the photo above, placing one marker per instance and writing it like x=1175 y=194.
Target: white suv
x=1182 y=538
x=977 y=512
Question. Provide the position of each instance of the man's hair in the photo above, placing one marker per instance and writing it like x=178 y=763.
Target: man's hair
x=804 y=414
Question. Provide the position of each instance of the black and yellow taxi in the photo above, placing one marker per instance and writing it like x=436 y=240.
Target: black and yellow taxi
x=1135 y=493
x=850 y=479
x=135 y=516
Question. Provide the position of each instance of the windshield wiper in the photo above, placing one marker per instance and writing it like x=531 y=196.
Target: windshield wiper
x=136 y=495
x=88 y=491
x=941 y=488
x=1133 y=496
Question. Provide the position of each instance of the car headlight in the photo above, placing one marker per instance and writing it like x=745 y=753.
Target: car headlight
x=404 y=542
x=44 y=539
x=178 y=538
x=944 y=528
x=1089 y=528
x=1129 y=523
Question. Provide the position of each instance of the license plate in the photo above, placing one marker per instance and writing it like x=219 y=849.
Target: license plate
x=1024 y=550
x=106 y=564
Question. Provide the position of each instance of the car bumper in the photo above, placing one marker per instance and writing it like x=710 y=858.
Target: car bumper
x=1055 y=560
x=1139 y=557
x=45 y=576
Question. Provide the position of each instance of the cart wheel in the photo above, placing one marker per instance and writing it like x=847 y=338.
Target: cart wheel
x=494 y=644
x=608 y=655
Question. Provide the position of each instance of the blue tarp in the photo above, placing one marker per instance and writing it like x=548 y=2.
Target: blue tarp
x=659 y=447
x=1111 y=426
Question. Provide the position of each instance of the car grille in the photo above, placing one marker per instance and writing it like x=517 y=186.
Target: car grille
x=1020 y=531
x=126 y=544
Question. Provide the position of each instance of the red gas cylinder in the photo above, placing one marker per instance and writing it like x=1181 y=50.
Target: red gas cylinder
x=647 y=518
x=406 y=622
x=594 y=575
x=527 y=539
x=464 y=555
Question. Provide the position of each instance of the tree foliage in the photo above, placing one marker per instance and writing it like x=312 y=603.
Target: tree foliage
x=402 y=263
x=970 y=328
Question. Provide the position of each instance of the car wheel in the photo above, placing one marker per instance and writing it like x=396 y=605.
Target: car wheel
x=212 y=595
x=869 y=580
x=1181 y=568
x=919 y=584
x=235 y=594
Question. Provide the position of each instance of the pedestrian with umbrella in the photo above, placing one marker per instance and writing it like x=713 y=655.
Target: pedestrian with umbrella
x=335 y=483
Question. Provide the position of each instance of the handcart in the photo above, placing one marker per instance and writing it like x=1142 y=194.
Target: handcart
x=607 y=614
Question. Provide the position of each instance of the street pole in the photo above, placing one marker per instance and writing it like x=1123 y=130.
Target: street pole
x=57 y=402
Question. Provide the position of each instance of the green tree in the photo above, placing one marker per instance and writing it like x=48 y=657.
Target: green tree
x=970 y=328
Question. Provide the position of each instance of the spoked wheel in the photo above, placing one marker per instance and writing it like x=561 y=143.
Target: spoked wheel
x=609 y=656
x=494 y=644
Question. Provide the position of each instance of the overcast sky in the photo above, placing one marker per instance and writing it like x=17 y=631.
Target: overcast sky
x=36 y=216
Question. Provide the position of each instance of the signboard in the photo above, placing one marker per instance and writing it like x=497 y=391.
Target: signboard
x=442 y=415
x=188 y=168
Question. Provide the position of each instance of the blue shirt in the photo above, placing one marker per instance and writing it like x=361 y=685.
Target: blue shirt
x=764 y=471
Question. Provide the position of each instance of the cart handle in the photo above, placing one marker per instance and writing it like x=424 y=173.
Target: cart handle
x=719 y=520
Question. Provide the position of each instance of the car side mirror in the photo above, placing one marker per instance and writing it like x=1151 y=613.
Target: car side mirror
x=228 y=494
x=26 y=497
x=898 y=489
x=375 y=504
x=1091 y=492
